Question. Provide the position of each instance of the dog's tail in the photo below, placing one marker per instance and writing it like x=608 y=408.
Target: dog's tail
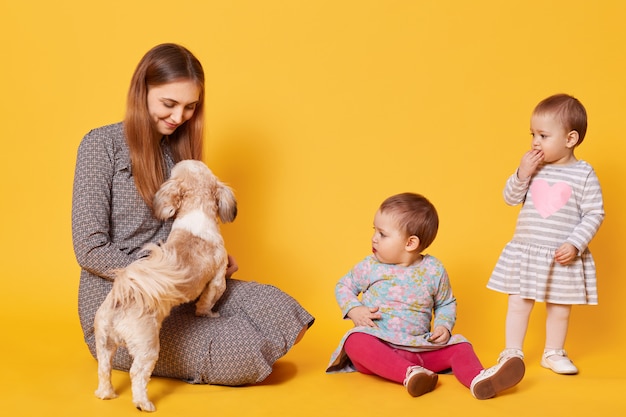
x=151 y=283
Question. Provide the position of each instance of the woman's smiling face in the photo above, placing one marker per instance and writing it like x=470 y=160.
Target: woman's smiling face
x=172 y=104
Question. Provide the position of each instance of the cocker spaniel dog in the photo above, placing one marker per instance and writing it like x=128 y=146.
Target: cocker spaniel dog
x=190 y=265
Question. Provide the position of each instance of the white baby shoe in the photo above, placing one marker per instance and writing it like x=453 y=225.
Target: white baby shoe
x=557 y=361
x=510 y=353
x=419 y=380
x=500 y=377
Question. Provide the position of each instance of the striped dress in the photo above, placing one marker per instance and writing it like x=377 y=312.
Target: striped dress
x=561 y=203
x=258 y=323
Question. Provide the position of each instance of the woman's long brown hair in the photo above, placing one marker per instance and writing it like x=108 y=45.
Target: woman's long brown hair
x=163 y=64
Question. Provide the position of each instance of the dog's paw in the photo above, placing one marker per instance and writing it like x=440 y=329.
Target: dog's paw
x=145 y=406
x=201 y=312
x=106 y=393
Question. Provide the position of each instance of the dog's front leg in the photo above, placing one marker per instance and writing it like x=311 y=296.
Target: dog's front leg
x=211 y=293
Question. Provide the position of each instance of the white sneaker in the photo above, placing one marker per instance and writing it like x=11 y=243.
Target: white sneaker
x=560 y=364
x=502 y=376
x=419 y=380
x=510 y=353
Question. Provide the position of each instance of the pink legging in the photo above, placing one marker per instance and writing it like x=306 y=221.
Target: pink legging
x=372 y=356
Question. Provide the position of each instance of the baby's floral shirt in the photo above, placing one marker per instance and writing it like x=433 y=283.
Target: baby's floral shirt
x=408 y=298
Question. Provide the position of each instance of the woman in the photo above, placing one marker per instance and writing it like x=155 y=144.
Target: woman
x=118 y=170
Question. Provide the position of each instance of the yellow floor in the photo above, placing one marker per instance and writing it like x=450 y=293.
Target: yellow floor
x=46 y=370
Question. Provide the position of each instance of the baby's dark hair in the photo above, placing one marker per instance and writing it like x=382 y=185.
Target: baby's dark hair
x=415 y=215
x=570 y=112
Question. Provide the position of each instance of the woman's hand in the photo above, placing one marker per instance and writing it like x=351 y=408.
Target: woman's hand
x=364 y=316
x=440 y=336
x=232 y=267
x=566 y=254
x=529 y=164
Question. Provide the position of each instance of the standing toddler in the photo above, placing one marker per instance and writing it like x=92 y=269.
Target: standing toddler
x=548 y=259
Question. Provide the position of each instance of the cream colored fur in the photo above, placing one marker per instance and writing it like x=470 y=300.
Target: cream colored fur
x=190 y=265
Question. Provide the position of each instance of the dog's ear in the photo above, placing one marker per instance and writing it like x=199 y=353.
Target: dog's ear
x=167 y=199
x=226 y=203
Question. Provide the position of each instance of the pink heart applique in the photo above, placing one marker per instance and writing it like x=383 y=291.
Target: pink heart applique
x=549 y=199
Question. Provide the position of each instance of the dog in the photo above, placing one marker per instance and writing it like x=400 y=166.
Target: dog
x=190 y=265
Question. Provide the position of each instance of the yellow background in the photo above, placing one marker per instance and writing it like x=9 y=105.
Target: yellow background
x=317 y=111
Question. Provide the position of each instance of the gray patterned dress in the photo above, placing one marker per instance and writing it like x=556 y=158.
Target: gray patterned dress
x=110 y=225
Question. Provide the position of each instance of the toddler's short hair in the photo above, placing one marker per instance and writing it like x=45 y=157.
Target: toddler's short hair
x=569 y=110
x=415 y=215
